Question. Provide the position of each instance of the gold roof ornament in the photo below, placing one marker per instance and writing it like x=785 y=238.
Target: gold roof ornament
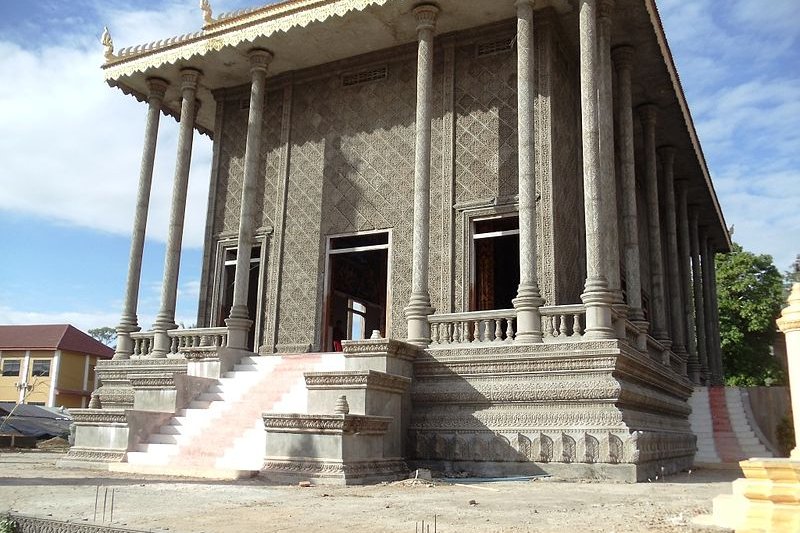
x=205 y=6
x=108 y=44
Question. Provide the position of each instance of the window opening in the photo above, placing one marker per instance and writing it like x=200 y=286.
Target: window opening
x=41 y=367
x=11 y=367
x=495 y=262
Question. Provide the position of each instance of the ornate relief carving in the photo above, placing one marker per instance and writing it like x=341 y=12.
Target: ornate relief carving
x=615 y=449
x=98 y=416
x=363 y=379
x=335 y=469
x=568 y=449
x=326 y=424
x=99 y=455
x=592 y=449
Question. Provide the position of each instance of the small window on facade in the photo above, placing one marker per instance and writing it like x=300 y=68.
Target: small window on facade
x=41 y=367
x=11 y=367
x=356 y=319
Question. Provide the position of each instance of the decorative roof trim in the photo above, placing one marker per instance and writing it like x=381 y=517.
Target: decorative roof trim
x=233 y=31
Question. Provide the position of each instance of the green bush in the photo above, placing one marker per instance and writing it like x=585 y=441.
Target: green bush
x=785 y=435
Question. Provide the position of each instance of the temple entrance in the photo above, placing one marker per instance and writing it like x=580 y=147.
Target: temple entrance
x=356 y=294
x=226 y=284
x=495 y=262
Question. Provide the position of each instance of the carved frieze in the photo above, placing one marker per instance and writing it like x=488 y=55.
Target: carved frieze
x=326 y=424
x=369 y=379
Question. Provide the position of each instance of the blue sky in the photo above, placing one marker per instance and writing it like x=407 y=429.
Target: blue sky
x=70 y=146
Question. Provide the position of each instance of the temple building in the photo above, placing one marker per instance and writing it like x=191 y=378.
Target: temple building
x=471 y=235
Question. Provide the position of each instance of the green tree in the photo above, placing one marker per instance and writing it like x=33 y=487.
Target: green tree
x=750 y=296
x=106 y=335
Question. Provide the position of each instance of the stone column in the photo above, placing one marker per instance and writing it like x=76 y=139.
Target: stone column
x=239 y=322
x=528 y=300
x=716 y=348
x=684 y=258
x=596 y=296
x=608 y=188
x=678 y=333
x=129 y=323
x=708 y=266
x=789 y=324
x=165 y=320
x=623 y=61
x=698 y=281
x=648 y=114
x=419 y=307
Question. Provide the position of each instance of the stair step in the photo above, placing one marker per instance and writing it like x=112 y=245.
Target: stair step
x=162 y=438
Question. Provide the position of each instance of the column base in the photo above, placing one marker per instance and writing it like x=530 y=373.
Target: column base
x=124 y=348
x=162 y=344
x=641 y=339
x=238 y=331
x=417 y=312
x=597 y=299
x=529 y=318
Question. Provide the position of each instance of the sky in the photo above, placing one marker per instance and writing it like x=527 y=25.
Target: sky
x=70 y=146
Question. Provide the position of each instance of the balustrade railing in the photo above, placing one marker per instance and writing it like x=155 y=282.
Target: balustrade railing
x=197 y=339
x=476 y=327
x=559 y=323
x=181 y=340
x=563 y=322
x=142 y=343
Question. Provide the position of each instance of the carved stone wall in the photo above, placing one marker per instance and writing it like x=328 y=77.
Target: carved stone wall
x=570 y=242
x=485 y=129
x=231 y=164
x=351 y=169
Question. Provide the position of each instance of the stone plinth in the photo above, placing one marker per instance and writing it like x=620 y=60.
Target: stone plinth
x=335 y=449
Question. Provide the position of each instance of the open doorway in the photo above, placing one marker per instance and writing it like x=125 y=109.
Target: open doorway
x=226 y=285
x=356 y=293
x=495 y=262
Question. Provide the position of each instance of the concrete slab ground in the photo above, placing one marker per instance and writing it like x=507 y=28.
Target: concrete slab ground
x=31 y=484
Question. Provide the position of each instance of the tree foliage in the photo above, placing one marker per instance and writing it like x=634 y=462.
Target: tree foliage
x=106 y=335
x=750 y=296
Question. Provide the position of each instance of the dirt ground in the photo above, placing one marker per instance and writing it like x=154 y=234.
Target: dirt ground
x=31 y=484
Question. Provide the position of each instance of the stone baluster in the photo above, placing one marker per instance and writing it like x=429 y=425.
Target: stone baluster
x=623 y=61
x=129 y=322
x=577 y=329
x=419 y=306
x=498 y=329
x=165 y=320
x=528 y=300
x=239 y=322
x=698 y=281
x=678 y=325
x=657 y=301
x=684 y=256
x=596 y=296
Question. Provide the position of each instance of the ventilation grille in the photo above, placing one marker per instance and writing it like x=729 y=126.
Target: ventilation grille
x=364 y=76
x=494 y=47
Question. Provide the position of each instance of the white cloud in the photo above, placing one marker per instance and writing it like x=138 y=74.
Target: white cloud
x=72 y=146
x=81 y=320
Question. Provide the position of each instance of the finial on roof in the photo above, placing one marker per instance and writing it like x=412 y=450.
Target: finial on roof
x=108 y=44
x=205 y=5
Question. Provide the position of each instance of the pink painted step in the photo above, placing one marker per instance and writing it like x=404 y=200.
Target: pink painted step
x=725 y=438
x=222 y=430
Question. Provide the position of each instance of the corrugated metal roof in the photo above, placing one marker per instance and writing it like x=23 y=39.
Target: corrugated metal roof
x=51 y=337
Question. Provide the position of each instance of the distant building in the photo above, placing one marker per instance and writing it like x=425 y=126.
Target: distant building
x=50 y=365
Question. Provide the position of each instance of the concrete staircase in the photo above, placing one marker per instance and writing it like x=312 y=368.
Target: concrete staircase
x=221 y=432
x=725 y=433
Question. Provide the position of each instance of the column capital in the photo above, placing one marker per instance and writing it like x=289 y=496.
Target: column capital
x=622 y=56
x=426 y=15
x=157 y=87
x=648 y=113
x=604 y=9
x=190 y=77
x=523 y=4
x=790 y=316
x=667 y=151
x=260 y=59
